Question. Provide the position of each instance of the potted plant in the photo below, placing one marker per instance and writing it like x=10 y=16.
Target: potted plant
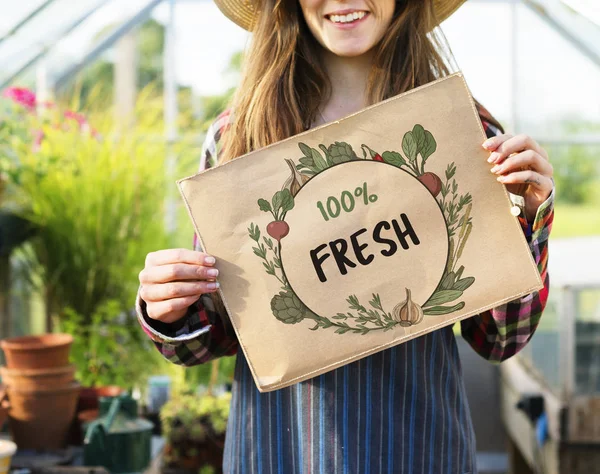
x=94 y=196
x=194 y=430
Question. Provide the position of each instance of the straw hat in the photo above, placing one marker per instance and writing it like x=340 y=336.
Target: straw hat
x=243 y=12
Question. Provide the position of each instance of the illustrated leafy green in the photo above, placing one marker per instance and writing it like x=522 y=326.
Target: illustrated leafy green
x=409 y=146
x=442 y=297
x=418 y=134
x=462 y=285
x=394 y=158
x=429 y=146
x=287 y=200
x=264 y=205
x=441 y=310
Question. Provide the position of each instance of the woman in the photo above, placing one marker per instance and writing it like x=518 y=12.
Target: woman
x=403 y=409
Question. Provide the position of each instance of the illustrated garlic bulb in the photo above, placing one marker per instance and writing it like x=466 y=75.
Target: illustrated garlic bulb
x=296 y=179
x=408 y=313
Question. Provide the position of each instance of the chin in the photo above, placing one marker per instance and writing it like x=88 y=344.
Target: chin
x=350 y=50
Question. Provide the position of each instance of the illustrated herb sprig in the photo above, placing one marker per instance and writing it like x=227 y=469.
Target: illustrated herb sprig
x=272 y=267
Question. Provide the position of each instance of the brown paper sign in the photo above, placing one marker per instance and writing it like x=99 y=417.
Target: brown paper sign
x=361 y=234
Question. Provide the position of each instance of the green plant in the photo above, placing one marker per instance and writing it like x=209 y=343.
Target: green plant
x=194 y=430
x=96 y=198
x=576 y=173
x=109 y=349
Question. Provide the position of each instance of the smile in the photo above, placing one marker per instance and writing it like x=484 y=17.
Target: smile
x=347 y=17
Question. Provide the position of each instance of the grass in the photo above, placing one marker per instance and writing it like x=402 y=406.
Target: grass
x=576 y=220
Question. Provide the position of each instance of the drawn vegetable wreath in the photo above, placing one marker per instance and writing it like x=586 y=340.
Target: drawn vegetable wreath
x=418 y=145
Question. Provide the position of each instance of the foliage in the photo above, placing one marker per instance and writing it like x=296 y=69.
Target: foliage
x=96 y=197
x=101 y=347
x=192 y=423
x=576 y=173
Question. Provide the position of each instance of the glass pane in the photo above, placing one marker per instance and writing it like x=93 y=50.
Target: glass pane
x=587 y=342
x=542 y=352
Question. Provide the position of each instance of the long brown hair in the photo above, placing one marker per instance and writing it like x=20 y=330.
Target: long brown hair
x=284 y=81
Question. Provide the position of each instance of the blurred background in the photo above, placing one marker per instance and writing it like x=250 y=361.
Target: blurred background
x=105 y=104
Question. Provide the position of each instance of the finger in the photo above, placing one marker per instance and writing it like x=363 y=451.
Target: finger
x=177 y=272
x=526 y=159
x=161 y=310
x=515 y=145
x=492 y=143
x=170 y=256
x=167 y=291
x=527 y=177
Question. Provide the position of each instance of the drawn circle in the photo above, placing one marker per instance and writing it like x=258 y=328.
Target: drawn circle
x=313 y=227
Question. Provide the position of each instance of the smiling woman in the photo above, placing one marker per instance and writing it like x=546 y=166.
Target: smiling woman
x=348 y=31
x=400 y=410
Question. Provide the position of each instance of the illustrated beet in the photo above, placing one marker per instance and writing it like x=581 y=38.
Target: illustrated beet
x=431 y=182
x=278 y=229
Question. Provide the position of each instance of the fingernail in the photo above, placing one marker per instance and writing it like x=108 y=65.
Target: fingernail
x=500 y=178
x=213 y=285
x=213 y=272
x=495 y=169
x=488 y=144
x=493 y=157
x=209 y=260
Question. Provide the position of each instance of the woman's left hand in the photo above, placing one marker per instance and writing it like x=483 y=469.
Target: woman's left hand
x=523 y=166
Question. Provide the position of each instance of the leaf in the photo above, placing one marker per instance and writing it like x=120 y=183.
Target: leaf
x=306 y=150
x=448 y=281
x=308 y=163
x=409 y=146
x=393 y=158
x=287 y=200
x=460 y=272
x=418 y=133
x=462 y=285
x=429 y=146
x=342 y=330
x=443 y=296
x=320 y=163
x=440 y=310
x=264 y=205
x=277 y=200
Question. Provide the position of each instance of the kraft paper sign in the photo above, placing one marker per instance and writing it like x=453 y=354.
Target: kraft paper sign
x=361 y=234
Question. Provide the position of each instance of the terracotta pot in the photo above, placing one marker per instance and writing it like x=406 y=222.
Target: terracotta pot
x=3 y=406
x=7 y=450
x=37 y=352
x=89 y=397
x=41 y=419
x=29 y=379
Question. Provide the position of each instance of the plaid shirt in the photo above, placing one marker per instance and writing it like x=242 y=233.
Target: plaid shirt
x=383 y=413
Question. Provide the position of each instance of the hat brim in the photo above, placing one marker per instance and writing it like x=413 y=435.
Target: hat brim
x=243 y=12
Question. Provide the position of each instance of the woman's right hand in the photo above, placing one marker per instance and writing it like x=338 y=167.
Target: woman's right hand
x=173 y=280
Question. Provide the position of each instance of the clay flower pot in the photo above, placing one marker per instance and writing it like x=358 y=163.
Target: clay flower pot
x=3 y=406
x=37 y=352
x=41 y=419
x=31 y=379
x=7 y=450
x=89 y=397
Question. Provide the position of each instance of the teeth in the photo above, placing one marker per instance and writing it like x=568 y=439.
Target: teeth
x=350 y=17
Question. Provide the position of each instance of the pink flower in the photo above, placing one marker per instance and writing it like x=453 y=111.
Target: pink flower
x=21 y=96
x=38 y=138
x=79 y=118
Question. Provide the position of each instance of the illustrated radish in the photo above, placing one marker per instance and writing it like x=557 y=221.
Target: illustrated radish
x=432 y=182
x=278 y=229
